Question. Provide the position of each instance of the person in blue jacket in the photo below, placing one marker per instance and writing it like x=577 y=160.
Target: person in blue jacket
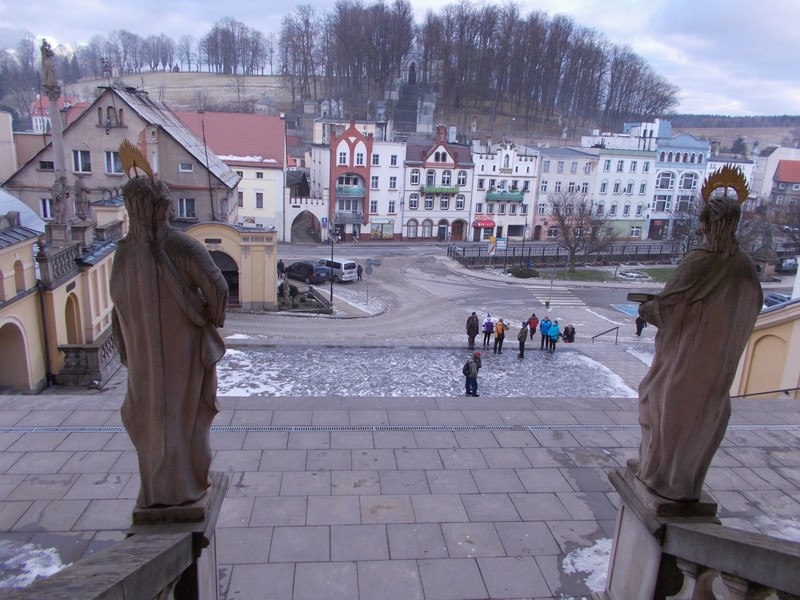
x=553 y=333
x=544 y=327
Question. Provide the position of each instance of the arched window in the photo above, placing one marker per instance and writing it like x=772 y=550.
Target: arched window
x=19 y=277
x=689 y=181
x=693 y=157
x=699 y=159
x=685 y=157
x=601 y=208
x=412 y=229
x=612 y=211
x=427 y=228
x=111 y=117
x=665 y=181
x=661 y=157
x=670 y=157
x=506 y=161
x=120 y=122
x=430 y=177
x=100 y=117
x=2 y=288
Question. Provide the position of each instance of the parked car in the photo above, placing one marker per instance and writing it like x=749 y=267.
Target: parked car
x=343 y=269
x=775 y=299
x=307 y=271
x=786 y=265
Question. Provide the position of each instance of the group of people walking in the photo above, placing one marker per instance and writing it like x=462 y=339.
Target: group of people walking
x=550 y=332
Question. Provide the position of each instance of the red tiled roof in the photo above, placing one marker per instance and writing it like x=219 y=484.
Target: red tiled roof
x=240 y=138
x=788 y=171
x=42 y=104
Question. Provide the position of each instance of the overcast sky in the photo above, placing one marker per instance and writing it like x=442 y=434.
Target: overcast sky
x=733 y=57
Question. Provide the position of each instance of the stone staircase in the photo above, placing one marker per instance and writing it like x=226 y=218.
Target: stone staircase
x=405 y=112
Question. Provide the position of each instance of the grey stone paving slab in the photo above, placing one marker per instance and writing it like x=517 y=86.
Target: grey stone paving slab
x=266 y=440
x=247 y=581
x=282 y=460
x=476 y=439
x=445 y=417
x=243 y=545
x=516 y=439
x=394 y=439
x=236 y=460
x=309 y=440
x=91 y=462
x=588 y=480
x=334 y=581
x=328 y=460
x=733 y=504
x=404 y=482
x=517 y=577
x=438 y=508
x=490 y=481
x=369 y=417
x=466 y=458
x=489 y=507
x=120 y=441
x=351 y=440
x=725 y=479
x=505 y=458
x=791 y=474
x=468 y=540
x=386 y=509
x=126 y=463
x=380 y=459
x=416 y=540
x=451 y=579
x=519 y=417
x=254 y=483
x=250 y=417
x=39 y=442
x=483 y=417
x=526 y=539
x=42 y=487
x=9 y=418
x=9 y=483
x=39 y=462
x=587 y=505
x=107 y=514
x=389 y=580
x=763 y=479
x=359 y=542
x=788 y=457
x=774 y=502
x=548 y=457
x=291 y=417
x=418 y=458
x=408 y=417
x=71 y=545
x=435 y=439
x=575 y=534
x=236 y=512
x=539 y=507
x=555 y=439
x=455 y=481
x=355 y=483
x=55 y=515
x=595 y=456
x=300 y=544
x=91 y=486
x=543 y=480
x=85 y=441
x=298 y=483
x=330 y=417
x=333 y=510
x=277 y=510
x=44 y=418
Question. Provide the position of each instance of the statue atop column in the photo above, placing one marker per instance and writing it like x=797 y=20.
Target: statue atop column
x=169 y=299
x=81 y=200
x=705 y=315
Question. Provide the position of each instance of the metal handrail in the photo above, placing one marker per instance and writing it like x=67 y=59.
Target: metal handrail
x=783 y=390
x=616 y=337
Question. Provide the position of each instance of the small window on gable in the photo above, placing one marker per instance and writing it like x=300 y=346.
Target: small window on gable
x=186 y=168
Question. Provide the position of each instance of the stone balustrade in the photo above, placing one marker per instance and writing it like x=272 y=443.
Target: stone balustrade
x=58 y=264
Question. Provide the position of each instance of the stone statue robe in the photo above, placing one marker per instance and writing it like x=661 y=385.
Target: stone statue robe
x=705 y=315
x=169 y=297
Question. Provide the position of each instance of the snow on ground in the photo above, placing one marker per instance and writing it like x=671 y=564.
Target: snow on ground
x=785 y=528
x=643 y=355
x=22 y=563
x=411 y=372
x=592 y=560
x=357 y=298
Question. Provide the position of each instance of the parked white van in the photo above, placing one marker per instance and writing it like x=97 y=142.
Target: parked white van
x=342 y=269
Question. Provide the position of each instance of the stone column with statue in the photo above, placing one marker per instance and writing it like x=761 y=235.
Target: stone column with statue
x=704 y=315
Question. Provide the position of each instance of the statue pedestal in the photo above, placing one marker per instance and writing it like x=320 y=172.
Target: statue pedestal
x=199 y=581
x=83 y=232
x=57 y=235
x=638 y=568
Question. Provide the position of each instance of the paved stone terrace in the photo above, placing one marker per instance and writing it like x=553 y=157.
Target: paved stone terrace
x=384 y=498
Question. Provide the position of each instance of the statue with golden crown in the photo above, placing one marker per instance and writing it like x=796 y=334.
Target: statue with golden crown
x=704 y=315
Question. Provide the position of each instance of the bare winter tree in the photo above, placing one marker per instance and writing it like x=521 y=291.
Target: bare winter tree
x=580 y=229
x=184 y=51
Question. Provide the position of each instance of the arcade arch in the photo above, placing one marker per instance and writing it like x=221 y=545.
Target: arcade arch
x=14 y=358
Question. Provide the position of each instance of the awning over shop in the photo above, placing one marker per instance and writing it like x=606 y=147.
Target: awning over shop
x=483 y=223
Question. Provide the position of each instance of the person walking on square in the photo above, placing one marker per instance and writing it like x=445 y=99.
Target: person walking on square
x=522 y=336
x=568 y=335
x=553 y=333
x=533 y=323
x=544 y=328
x=280 y=268
x=640 y=325
x=473 y=327
x=472 y=366
x=359 y=271
x=499 y=336
x=488 y=328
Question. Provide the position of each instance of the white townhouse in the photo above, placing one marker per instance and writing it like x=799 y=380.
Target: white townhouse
x=386 y=180
x=437 y=193
x=561 y=170
x=504 y=187
x=623 y=185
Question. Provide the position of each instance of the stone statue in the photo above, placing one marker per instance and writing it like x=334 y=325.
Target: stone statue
x=169 y=299
x=48 y=69
x=81 y=200
x=60 y=200
x=705 y=315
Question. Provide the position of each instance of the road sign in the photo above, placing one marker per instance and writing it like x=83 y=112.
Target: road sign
x=373 y=262
x=368 y=270
x=324 y=220
x=502 y=243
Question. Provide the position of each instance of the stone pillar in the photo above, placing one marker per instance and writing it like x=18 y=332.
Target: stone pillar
x=638 y=568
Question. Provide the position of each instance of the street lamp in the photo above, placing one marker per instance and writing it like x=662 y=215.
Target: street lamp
x=524 y=228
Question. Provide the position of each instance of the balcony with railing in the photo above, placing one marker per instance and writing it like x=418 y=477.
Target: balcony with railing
x=439 y=189
x=513 y=196
x=351 y=191
x=344 y=217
